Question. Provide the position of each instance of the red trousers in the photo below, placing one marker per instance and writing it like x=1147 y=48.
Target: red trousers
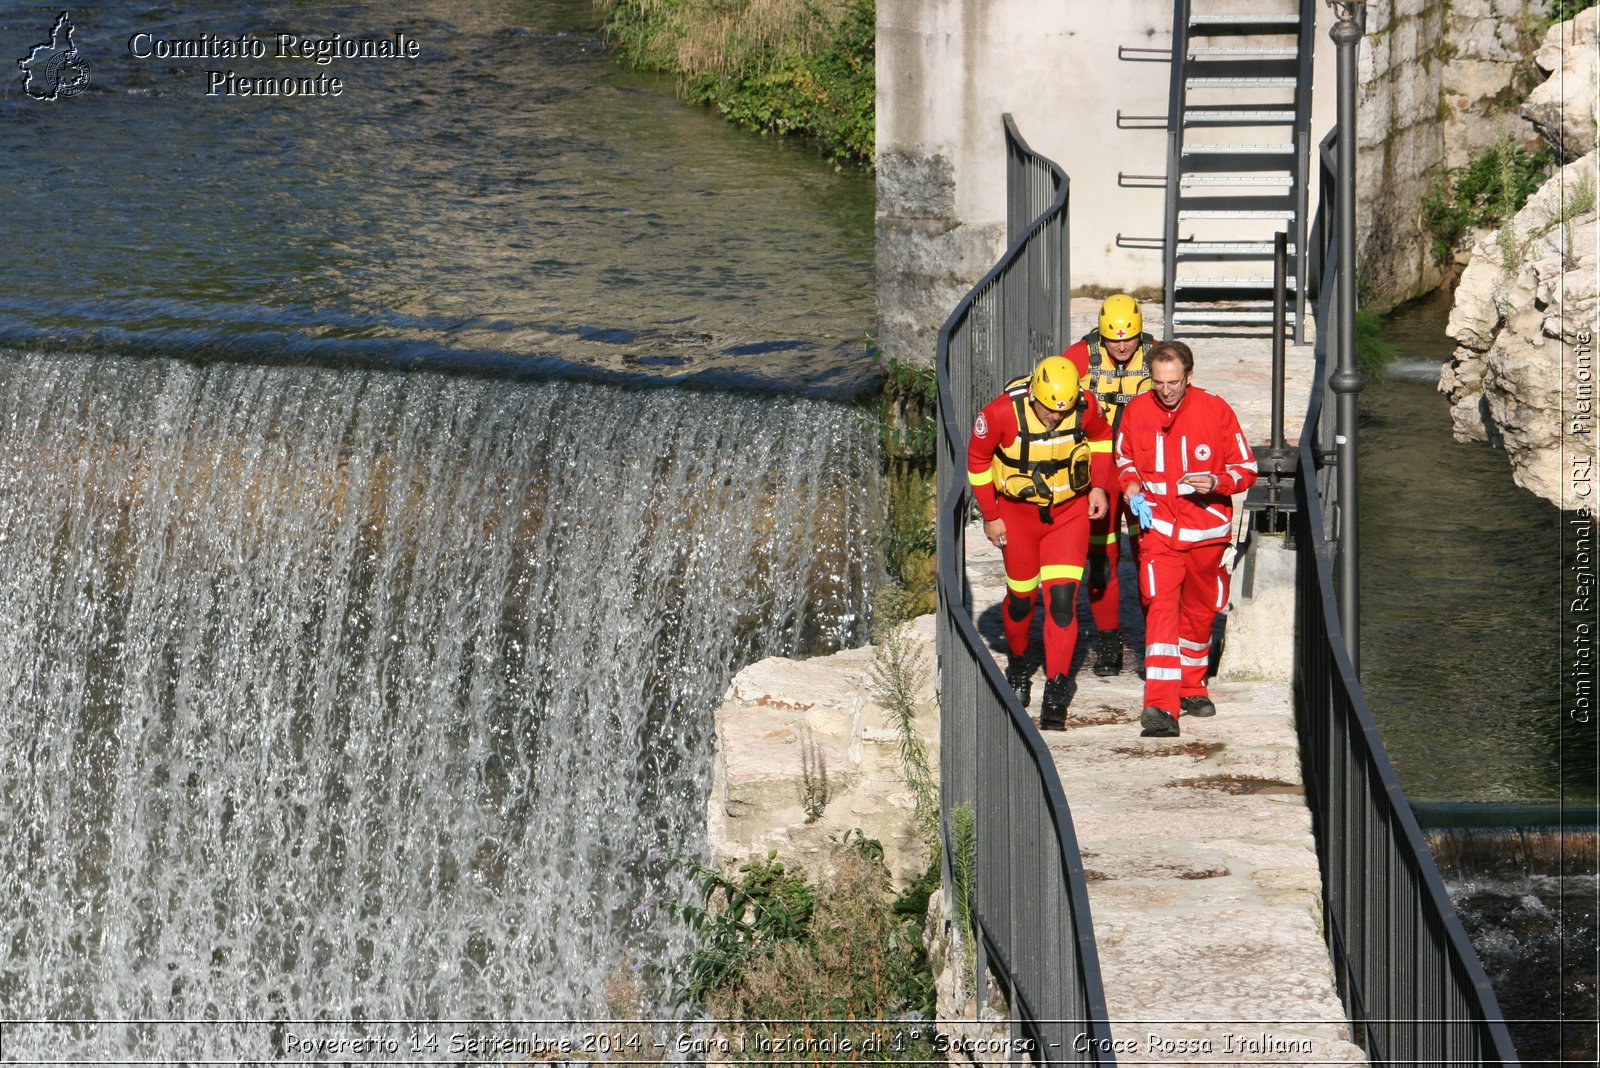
x=1048 y=558
x=1105 y=540
x=1182 y=591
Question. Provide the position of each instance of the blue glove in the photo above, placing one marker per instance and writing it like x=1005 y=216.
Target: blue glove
x=1140 y=507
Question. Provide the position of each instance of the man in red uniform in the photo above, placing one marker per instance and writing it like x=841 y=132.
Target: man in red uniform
x=1180 y=457
x=1113 y=364
x=1038 y=462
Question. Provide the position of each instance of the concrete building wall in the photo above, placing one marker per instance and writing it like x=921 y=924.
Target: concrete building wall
x=947 y=71
x=1430 y=70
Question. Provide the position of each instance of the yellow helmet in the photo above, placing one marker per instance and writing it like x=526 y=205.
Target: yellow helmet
x=1055 y=384
x=1120 y=318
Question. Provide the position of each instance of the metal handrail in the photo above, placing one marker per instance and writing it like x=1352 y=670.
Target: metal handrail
x=1029 y=896
x=1407 y=973
x=1177 y=101
x=1302 y=161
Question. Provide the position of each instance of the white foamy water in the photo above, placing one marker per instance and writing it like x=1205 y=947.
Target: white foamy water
x=361 y=695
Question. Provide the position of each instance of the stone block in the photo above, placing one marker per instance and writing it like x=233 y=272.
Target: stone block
x=1259 y=645
x=805 y=753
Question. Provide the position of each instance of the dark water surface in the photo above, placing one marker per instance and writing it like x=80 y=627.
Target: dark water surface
x=1462 y=608
x=512 y=195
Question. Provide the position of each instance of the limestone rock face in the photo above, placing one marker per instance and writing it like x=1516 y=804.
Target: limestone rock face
x=1523 y=374
x=806 y=753
x=1563 y=108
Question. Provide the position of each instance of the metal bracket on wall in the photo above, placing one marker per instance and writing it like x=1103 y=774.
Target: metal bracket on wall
x=1146 y=122
x=1146 y=242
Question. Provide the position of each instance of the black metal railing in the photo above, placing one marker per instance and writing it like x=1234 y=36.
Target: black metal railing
x=1408 y=975
x=1028 y=894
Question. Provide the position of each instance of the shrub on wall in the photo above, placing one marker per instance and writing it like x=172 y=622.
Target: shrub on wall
x=1486 y=192
x=802 y=67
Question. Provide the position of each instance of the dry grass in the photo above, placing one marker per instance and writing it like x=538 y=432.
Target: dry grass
x=720 y=36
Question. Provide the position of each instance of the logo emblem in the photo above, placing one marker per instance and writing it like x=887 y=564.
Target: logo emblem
x=55 y=68
x=1202 y=452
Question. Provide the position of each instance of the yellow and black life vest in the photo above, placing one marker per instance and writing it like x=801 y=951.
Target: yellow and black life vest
x=1043 y=466
x=1114 y=384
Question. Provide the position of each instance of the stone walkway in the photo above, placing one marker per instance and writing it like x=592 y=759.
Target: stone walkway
x=1204 y=886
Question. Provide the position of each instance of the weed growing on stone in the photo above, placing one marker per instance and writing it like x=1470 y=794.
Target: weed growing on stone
x=898 y=670
x=816 y=790
x=964 y=851
x=1486 y=192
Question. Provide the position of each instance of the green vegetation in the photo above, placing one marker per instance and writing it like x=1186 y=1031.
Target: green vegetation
x=1577 y=201
x=908 y=414
x=801 y=67
x=898 y=670
x=777 y=950
x=1374 y=352
x=964 y=850
x=1562 y=10
x=1486 y=192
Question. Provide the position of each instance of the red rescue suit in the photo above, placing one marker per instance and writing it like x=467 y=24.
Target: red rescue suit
x=1045 y=546
x=1182 y=583
x=1113 y=385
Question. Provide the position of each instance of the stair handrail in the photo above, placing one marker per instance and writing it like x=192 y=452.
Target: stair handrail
x=1177 y=101
x=1302 y=160
x=1029 y=895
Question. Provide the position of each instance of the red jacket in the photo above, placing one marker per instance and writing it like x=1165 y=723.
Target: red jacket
x=1156 y=446
x=996 y=428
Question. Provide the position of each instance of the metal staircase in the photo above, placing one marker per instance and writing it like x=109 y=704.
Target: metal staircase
x=1238 y=148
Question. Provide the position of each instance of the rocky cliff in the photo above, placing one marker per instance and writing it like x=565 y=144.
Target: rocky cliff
x=1523 y=373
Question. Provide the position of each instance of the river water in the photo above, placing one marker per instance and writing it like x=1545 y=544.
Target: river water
x=336 y=693
x=1462 y=624
x=512 y=195
x=1462 y=607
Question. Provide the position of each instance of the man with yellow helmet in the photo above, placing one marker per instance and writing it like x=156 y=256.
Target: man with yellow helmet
x=1112 y=362
x=1038 y=462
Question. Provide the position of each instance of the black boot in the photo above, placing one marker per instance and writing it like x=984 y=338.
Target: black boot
x=1109 y=661
x=1053 y=709
x=1019 y=673
x=1157 y=723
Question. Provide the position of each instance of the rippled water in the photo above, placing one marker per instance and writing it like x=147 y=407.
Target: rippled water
x=1462 y=607
x=512 y=196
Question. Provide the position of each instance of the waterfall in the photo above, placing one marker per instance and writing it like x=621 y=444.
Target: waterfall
x=377 y=696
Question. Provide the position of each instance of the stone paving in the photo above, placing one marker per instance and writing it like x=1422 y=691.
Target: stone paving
x=1204 y=886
